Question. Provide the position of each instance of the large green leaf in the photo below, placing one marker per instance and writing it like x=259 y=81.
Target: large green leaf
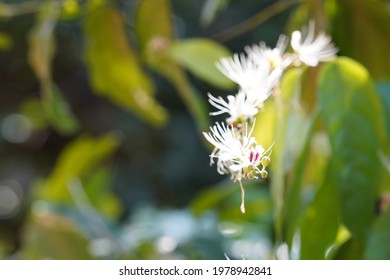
x=352 y=249
x=113 y=66
x=41 y=53
x=321 y=222
x=289 y=128
x=378 y=246
x=361 y=30
x=199 y=56
x=353 y=118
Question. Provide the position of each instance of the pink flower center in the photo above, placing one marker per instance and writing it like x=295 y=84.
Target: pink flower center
x=254 y=156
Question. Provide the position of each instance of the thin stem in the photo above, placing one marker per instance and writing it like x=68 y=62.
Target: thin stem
x=254 y=21
x=242 y=207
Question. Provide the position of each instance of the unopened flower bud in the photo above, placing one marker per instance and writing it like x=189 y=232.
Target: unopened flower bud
x=251 y=175
x=265 y=161
x=263 y=173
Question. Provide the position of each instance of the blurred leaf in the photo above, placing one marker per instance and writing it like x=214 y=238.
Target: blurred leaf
x=350 y=250
x=306 y=11
x=353 y=117
x=321 y=219
x=361 y=29
x=199 y=57
x=70 y=10
x=42 y=45
x=226 y=197
x=6 y=41
x=308 y=99
x=155 y=35
x=264 y=130
x=210 y=10
x=157 y=26
x=51 y=236
x=383 y=89
x=75 y=161
x=378 y=242
x=114 y=69
x=300 y=183
x=58 y=112
x=210 y=198
x=41 y=53
x=281 y=151
x=98 y=188
x=32 y=109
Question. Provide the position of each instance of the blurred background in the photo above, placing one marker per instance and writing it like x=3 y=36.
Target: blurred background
x=102 y=105
x=134 y=184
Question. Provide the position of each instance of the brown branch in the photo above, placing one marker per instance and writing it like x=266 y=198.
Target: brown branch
x=254 y=21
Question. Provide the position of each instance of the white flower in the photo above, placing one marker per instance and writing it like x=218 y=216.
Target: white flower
x=237 y=153
x=275 y=56
x=238 y=107
x=254 y=75
x=241 y=69
x=311 y=50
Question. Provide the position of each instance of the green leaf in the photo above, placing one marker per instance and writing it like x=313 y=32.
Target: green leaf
x=113 y=66
x=51 y=236
x=264 y=130
x=199 y=56
x=76 y=160
x=70 y=10
x=41 y=53
x=57 y=111
x=151 y=27
x=226 y=199
x=210 y=198
x=155 y=36
x=352 y=249
x=42 y=43
x=383 y=89
x=32 y=109
x=378 y=243
x=306 y=11
x=353 y=117
x=289 y=88
x=98 y=189
x=321 y=220
x=361 y=29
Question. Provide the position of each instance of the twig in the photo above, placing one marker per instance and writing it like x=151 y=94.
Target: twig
x=254 y=21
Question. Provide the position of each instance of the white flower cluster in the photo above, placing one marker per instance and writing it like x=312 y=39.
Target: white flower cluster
x=257 y=73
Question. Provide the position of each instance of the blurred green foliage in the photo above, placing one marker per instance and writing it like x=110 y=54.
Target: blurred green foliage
x=127 y=176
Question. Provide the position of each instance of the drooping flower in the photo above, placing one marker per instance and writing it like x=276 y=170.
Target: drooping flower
x=237 y=153
x=310 y=49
